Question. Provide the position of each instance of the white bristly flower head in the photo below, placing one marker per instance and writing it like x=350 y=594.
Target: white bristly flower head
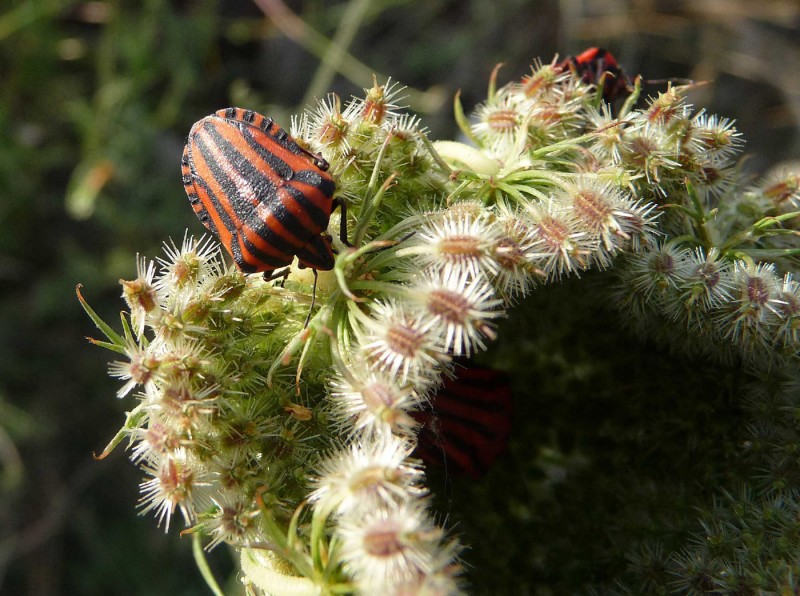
x=609 y=136
x=141 y=368
x=463 y=309
x=387 y=547
x=369 y=401
x=370 y=474
x=453 y=242
x=184 y=268
x=328 y=127
x=715 y=137
x=516 y=253
x=402 y=341
x=564 y=246
x=750 y=316
x=602 y=212
x=705 y=286
x=141 y=294
x=782 y=188
x=234 y=521
x=656 y=272
x=175 y=484
x=788 y=308
x=379 y=105
x=497 y=121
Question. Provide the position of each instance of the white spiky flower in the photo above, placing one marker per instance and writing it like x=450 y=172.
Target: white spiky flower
x=453 y=242
x=463 y=308
x=750 y=317
x=369 y=474
x=370 y=401
x=176 y=484
x=563 y=244
x=233 y=521
x=402 y=341
x=389 y=546
x=141 y=294
x=184 y=269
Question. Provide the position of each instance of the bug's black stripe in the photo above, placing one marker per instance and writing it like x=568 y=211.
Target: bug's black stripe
x=202 y=214
x=319 y=218
x=279 y=166
x=266 y=192
x=242 y=207
x=271 y=260
x=236 y=251
x=462 y=451
x=480 y=426
x=482 y=376
x=485 y=401
x=310 y=177
x=324 y=184
x=219 y=211
x=473 y=452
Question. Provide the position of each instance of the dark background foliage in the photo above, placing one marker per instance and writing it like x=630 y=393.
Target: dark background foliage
x=615 y=442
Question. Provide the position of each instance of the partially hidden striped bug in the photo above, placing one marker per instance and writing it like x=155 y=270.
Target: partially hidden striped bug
x=468 y=421
x=266 y=198
x=598 y=66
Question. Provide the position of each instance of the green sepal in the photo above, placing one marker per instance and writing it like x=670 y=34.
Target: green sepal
x=462 y=120
x=132 y=421
x=116 y=340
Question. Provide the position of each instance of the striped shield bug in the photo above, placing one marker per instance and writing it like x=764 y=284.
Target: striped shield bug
x=468 y=422
x=266 y=198
x=598 y=66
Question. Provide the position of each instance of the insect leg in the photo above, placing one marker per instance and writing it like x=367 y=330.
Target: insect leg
x=313 y=300
x=340 y=203
x=277 y=274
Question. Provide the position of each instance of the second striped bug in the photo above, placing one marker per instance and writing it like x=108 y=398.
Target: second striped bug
x=266 y=198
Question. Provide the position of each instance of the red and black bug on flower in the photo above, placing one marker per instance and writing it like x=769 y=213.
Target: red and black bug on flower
x=597 y=66
x=266 y=198
x=468 y=422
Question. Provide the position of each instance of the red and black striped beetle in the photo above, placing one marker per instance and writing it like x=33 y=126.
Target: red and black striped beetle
x=266 y=198
x=598 y=65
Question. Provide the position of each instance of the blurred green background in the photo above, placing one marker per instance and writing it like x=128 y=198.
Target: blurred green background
x=95 y=101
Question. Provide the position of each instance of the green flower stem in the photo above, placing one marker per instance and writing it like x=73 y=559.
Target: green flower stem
x=370 y=208
x=283 y=546
x=358 y=314
x=372 y=199
x=435 y=154
x=763 y=227
x=318 y=523
x=632 y=98
x=202 y=564
x=462 y=121
x=260 y=569
x=304 y=337
x=382 y=287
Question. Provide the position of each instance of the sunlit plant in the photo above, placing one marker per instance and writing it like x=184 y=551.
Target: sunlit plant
x=289 y=432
